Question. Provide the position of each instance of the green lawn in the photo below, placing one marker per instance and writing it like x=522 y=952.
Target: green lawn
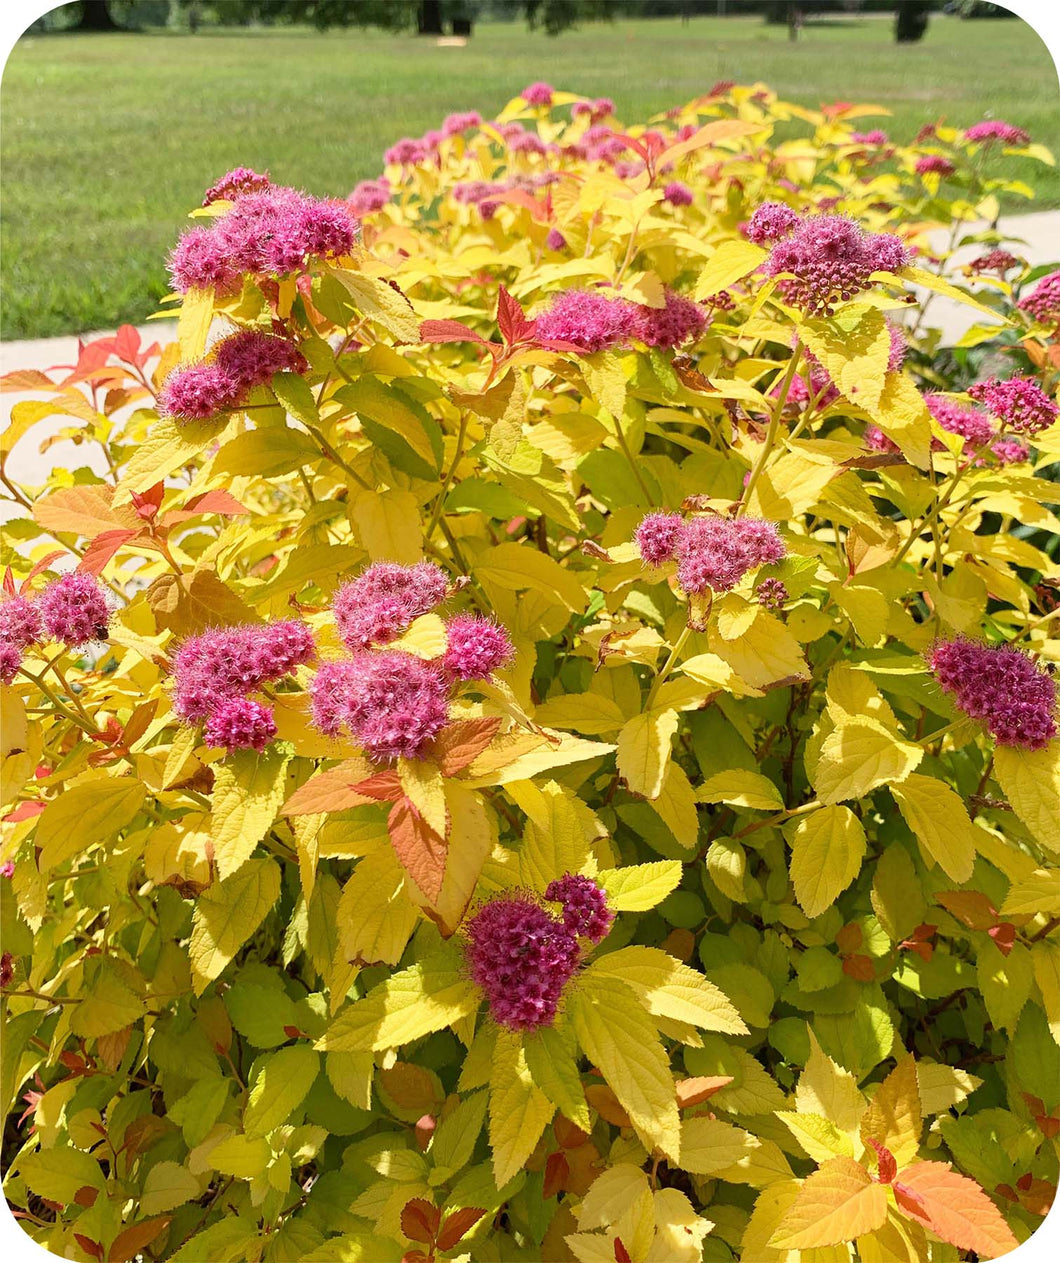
x=108 y=140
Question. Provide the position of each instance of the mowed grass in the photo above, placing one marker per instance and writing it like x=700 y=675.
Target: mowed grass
x=108 y=140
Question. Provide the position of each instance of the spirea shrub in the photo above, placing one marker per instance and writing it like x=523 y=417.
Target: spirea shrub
x=543 y=743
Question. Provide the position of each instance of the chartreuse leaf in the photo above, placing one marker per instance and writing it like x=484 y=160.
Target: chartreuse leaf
x=226 y=915
x=58 y=1173
x=669 y=989
x=640 y=886
x=859 y=755
x=827 y=1089
x=552 y=1059
x=741 y=788
x=454 y=1141
x=729 y=263
x=620 y=1040
x=248 y=790
x=376 y=917
x=426 y=997
x=519 y=1110
x=1045 y=956
x=168 y=1184
x=714 y=1148
x=940 y=822
x=109 y=1003
x=223 y=1242
x=838 y=1202
x=243 y=1157
x=820 y=1137
x=1031 y=781
x=827 y=847
x=84 y=815
x=282 y=1083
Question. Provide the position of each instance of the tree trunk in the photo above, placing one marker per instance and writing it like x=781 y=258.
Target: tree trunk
x=429 y=18
x=95 y=16
x=911 y=21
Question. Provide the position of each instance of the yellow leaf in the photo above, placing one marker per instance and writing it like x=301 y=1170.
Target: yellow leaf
x=715 y=672
x=518 y=756
x=282 y=1083
x=417 y=1001
x=731 y=262
x=824 y=1088
x=519 y=1110
x=741 y=788
x=555 y=840
x=388 y=524
x=519 y=568
x=168 y=448
x=827 y=847
x=867 y=608
x=1035 y=891
x=1045 y=955
x=1031 y=781
x=552 y=1058
x=853 y=348
x=610 y=1194
x=85 y=815
x=248 y=789
x=193 y=324
x=669 y=989
x=676 y=805
x=640 y=886
x=376 y=915
x=425 y=637
x=713 y=1148
x=894 y=1117
x=943 y=1087
x=766 y=654
x=620 y=1040
x=168 y=1185
x=940 y=821
x=422 y=783
x=860 y=755
x=644 y=750
x=590 y=713
x=381 y=303
x=227 y=914
x=819 y=1136
x=109 y=1004
x=903 y=416
x=838 y=1202
x=938 y=285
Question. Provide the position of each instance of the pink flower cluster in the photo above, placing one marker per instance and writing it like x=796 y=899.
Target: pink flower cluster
x=678 y=194
x=592 y=321
x=585 y=911
x=555 y=240
x=1000 y=686
x=215 y=672
x=454 y=124
x=72 y=609
x=995 y=129
x=712 y=553
x=1043 y=302
x=369 y=196
x=267 y=232
x=972 y=425
x=875 y=137
x=1020 y=404
x=831 y=259
x=770 y=222
x=934 y=164
x=538 y=94
x=235 y=183
x=241 y=362
x=603 y=107
x=999 y=261
x=389 y=701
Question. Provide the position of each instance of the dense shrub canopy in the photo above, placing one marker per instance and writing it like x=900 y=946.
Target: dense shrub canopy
x=542 y=745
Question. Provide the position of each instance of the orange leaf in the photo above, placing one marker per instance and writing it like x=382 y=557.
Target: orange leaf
x=693 y=1091
x=329 y=791
x=135 y=1239
x=458 y=1223
x=604 y=1101
x=421 y=851
x=838 y=1202
x=420 y=1220
x=954 y=1208
x=459 y=742
x=969 y=907
x=103 y=548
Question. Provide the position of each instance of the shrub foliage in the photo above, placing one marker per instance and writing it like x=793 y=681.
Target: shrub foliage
x=540 y=744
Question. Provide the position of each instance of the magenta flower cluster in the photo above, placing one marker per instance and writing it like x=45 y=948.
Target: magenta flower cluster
x=830 y=258
x=267 y=232
x=539 y=94
x=770 y=222
x=973 y=426
x=999 y=261
x=712 y=553
x=235 y=183
x=678 y=193
x=590 y=320
x=1001 y=686
x=369 y=196
x=1043 y=302
x=391 y=702
x=1019 y=404
x=585 y=911
x=934 y=164
x=214 y=674
x=995 y=129
x=72 y=609
x=241 y=362
x=522 y=956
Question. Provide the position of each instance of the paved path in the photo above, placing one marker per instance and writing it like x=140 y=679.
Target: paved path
x=1036 y=237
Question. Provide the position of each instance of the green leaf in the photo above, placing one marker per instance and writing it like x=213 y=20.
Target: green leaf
x=58 y=1173
x=282 y=1084
x=109 y=1003
x=620 y=1040
x=260 y=1013
x=294 y=393
x=198 y=1109
x=242 y=1157
x=226 y=915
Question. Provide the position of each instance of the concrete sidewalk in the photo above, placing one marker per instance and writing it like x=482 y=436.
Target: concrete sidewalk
x=1036 y=237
